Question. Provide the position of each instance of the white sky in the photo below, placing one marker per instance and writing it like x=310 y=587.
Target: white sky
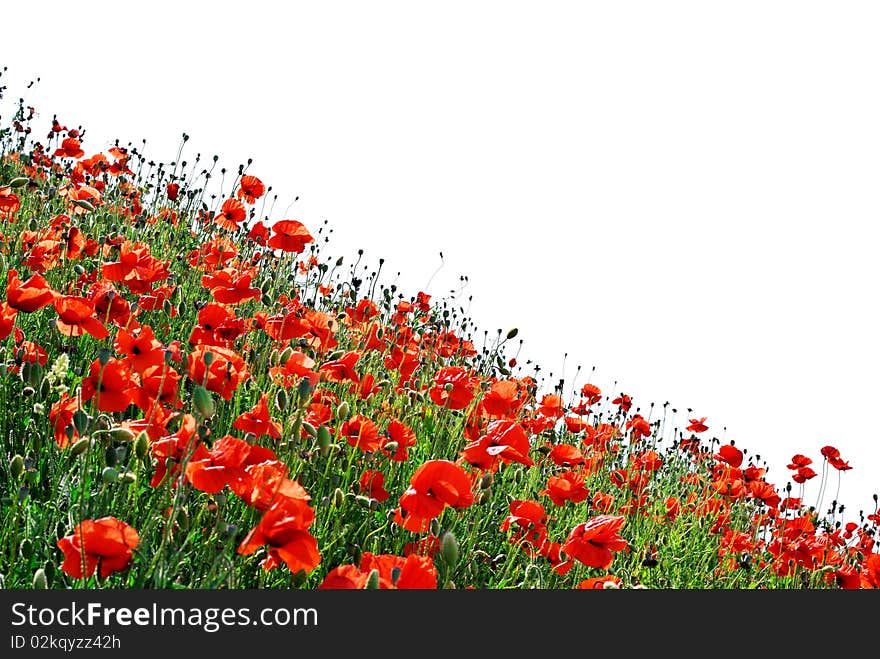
x=681 y=194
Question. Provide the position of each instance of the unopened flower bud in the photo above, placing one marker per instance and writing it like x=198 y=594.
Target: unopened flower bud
x=343 y=412
x=281 y=400
x=109 y=475
x=142 y=445
x=16 y=466
x=449 y=549
x=40 y=581
x=79 y=446
x=203 y=401
x=372 y=580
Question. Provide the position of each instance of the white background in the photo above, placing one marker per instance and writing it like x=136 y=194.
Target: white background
x=681 y=194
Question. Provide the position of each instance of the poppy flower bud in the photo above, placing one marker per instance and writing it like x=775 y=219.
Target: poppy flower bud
x=19 y=182
x=434 y=527
x=86 y=205
x=285 y=355
x=304 y=389
x=338 y=498
x=512 y=333
x=333 y=356
x=486 y=480
x=103 y=356
x=203 y=401
x=391 y=447
x=79 y=446
x=109 y=475
x=16 y=466
x=324 y=440
x=28 y=391
x=142 y=445
x=167 y=307
x=481 y=497
x=274 y=357
x=81 y=421
x=372 y=580
x=120 y=434
x=26 y=548
x=281 y=400
x=208 y=358
x=310 y=429
x=362 y=501
x=449 y=549
x=40 y=582
x=343 y=412
x=127 y=477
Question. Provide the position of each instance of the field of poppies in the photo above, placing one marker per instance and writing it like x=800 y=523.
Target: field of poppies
x=196 y=396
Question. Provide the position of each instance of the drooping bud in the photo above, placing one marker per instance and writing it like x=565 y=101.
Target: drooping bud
x=203 y=401
x=109 y=475
x=79 y=446
x=343 y=412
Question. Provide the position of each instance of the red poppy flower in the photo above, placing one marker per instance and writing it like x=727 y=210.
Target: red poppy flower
x=591 y=393
x=136 y=268
x=9 y=202
x=7 y=319
x=529 y=522
x=264 y=483
x=798 y=461
x=697 y=425
x=504 y=440
x=599 y=583
x=453 y=388
x=141 y=348
x=434 y=485
x=61 y=419
x=568 y=486
x=372 y=485
x=624 y=401
x=104 y=544
x=284 y=530
x=341 y=369
x=412 y=572
x=551 y=406
x=730 y=455
x=250 y=189
x=110 y=385
x=804 y=474
x=593 y=543
x=224 y=464
x=403 y=436
x=172 y=190
x=258 y=421
x=231 y=214
x=362 y=433
x=70 y=148
x=76 y=315
x=503 y=398
x=28 y=296
x=230 y=287
x=289 y=236
x=226 y=372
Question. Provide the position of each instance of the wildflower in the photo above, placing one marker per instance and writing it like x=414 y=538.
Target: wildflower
x=593 y=543
x=103 y=544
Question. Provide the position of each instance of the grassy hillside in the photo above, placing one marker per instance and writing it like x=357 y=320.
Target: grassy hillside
x=197 y=396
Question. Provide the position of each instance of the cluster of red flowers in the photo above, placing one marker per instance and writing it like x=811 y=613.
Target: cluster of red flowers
x=347 y=374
